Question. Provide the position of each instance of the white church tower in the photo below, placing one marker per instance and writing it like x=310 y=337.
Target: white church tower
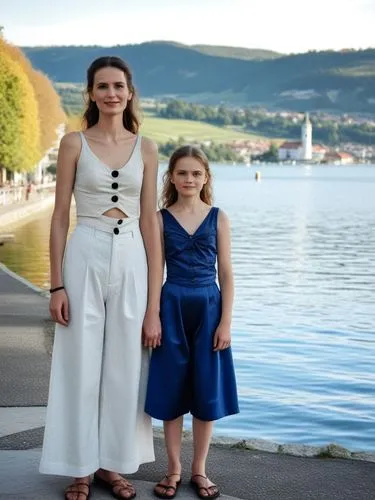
x=306 y=139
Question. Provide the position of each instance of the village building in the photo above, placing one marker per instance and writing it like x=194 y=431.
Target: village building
x=299 y=150
x=305 y=151
x=339 y=158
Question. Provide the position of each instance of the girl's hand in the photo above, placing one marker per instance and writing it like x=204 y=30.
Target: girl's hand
x=151 y=329
x=59 y=307
x=222 y=338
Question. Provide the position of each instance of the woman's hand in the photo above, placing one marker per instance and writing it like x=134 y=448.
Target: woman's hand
x=59 y=307
x=151 y=329
x=222 y=338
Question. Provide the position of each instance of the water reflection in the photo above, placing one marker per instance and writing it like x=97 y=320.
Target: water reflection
x=28 y=254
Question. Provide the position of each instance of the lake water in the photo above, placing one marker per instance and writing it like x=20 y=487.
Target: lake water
x=304 y=318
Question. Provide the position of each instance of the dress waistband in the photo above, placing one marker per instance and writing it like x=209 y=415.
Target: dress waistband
x=191 y=282
x=110 y=224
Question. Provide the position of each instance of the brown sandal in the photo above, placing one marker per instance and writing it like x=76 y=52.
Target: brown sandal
x=74 y=488
x=168 y=487
x=197 y=488
x=117 y=484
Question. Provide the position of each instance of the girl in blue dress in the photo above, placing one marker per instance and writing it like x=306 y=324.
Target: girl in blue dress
x=192 y=371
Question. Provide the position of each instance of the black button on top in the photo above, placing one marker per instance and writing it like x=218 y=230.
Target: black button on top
x=114 y=185
x=119 y=221
x=114 y=198
x=114 y=173
x=116 y=230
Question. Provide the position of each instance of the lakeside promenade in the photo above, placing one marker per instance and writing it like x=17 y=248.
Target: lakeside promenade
x=26 y=337
x=12 y=214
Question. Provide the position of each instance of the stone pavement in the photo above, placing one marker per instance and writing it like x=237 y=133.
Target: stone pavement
x=26 y=337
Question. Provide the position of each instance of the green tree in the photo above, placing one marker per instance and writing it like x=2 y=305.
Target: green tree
x=19 y=128
x=10 y=114
x=272 y=155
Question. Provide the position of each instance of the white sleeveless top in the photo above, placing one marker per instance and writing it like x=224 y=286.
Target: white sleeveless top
x=97 y=187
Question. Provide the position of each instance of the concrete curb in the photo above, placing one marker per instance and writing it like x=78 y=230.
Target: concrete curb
x=24 y=281
x=14 y=419
x=331 y=450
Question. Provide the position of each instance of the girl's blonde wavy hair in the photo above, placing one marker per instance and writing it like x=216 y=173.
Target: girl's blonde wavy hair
x=169 y=193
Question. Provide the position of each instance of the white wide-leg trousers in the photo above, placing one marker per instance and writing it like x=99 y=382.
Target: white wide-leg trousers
x=95 y=415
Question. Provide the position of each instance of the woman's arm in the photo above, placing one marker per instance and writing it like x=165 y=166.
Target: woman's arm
x=149 y=226
x=65 y=175
x=223 y=336
x=161 y=232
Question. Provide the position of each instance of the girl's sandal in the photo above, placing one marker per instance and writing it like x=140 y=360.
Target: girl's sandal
x=208 y=489
x=76 y=489
x=167 y=487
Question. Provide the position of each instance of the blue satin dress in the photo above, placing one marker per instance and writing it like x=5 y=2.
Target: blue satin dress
x=186 y=375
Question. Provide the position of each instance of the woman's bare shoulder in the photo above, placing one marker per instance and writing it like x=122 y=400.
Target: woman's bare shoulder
x=149 y=146
x=71 y=140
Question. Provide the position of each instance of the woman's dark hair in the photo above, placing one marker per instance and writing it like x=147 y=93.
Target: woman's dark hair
x=131 y=116
x=169 y=193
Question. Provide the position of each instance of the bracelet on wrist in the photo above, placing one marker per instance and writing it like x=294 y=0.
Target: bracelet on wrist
x=52 y=290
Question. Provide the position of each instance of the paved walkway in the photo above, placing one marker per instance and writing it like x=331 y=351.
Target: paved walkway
x=25 y=345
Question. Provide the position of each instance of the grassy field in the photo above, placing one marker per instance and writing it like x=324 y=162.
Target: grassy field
x=161 y=130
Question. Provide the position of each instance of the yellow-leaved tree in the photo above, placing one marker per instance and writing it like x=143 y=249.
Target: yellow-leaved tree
x=10 y=113
x=51 y=113
x=30 y=111
x=49 y=107
x=19 y=136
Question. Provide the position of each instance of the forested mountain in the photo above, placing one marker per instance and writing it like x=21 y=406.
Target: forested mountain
x=338 y=81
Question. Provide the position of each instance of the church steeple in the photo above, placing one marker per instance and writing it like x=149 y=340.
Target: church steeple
x=306 y=138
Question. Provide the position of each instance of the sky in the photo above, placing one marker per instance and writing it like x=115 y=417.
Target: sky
x=287 y=26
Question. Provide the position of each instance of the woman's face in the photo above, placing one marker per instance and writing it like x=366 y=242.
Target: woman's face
x=110 y=91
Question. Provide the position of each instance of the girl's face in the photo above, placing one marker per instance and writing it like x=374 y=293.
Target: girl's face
x=110 y=91
x=189 y=176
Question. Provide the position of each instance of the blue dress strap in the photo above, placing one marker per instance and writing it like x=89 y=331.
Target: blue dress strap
x=215 y=211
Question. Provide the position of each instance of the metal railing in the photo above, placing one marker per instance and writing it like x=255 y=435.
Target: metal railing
x=19 y=194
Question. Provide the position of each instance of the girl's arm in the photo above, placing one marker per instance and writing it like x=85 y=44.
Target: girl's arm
x=65 y=175
x=222 y=337
x=151 y=236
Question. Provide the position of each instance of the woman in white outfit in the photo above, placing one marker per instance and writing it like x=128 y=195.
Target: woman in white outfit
x=105 y=292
